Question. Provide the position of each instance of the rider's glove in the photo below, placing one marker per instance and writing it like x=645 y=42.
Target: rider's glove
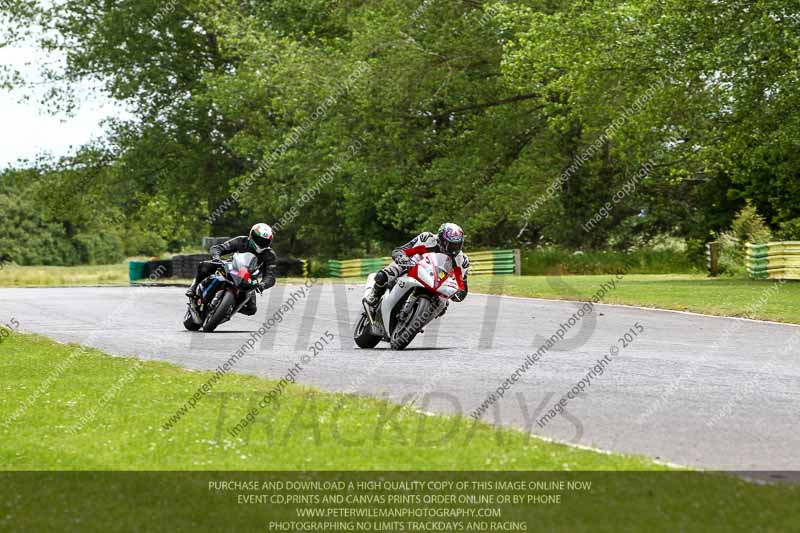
x=405 y=261
x=460 y=296
x=266 y=284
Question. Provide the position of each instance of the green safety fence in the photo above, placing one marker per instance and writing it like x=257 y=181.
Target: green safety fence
x=356 y=268
x=773 y=260
x=481 y=263
x=495 y=262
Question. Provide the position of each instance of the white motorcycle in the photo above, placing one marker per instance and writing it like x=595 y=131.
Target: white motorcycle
x=415 y=299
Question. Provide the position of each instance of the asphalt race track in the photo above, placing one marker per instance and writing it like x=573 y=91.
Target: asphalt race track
x=691 y=390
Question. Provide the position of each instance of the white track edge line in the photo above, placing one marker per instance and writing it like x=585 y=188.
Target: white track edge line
x=643 y=308
x=581 y=446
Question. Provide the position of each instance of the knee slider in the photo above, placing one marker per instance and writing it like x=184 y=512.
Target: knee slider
x=381 y=278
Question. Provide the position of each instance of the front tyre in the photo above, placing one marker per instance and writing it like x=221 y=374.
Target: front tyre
x=404 y=333
x=188 y=321
x=222 y=311
x=363 y=334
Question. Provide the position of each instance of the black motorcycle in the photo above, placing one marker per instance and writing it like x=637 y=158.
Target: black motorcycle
x=223 y=293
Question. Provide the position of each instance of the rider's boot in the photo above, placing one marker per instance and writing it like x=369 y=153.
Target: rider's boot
x=378 y=290
x=190 y=291
x=374 y=297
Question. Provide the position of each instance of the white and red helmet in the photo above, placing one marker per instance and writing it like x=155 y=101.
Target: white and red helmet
x=260 y=237
x=451 y=238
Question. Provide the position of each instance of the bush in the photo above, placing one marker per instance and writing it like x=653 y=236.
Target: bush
x=99 y=248
x=139 y=242
x=318 y=268
x=27 y=239
x=748 y=226
x=790 y=230
x=552 y=260
x=731 y=255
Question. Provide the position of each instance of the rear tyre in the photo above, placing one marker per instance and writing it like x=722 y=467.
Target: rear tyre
x=363 y=334
x=189 y=323
x=223 y=310
x=404 y=333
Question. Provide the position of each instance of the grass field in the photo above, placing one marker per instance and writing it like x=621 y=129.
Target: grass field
x=63 y=407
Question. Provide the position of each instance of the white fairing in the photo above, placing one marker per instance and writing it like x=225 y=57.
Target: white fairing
x=430 y=267
x=401 y=288
x=427 y=272
x=448 y=288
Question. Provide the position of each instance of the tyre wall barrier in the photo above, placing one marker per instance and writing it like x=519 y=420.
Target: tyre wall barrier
x=185 y=267
x=136 y=270
x=773 y=260
x=144 y=269
x=481 y=263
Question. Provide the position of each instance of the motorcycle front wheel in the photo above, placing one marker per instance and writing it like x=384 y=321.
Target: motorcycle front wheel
x=222 y=311
x=363 y=334
x=189 y=323
x=404 y=333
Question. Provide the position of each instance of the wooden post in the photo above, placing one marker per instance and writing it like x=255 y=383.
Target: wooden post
x=712 y=253
x=517 y=262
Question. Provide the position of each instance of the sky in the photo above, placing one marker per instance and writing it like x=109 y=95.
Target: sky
x=26 y=129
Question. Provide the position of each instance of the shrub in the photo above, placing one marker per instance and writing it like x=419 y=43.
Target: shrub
x=27 y=239
x=99 y=248
x=790 y=230
x=731 y=255
x=142 y=242
x=553 y=260
x=747 y=226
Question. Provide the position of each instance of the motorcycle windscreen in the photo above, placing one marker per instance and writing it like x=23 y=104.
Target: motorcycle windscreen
x=445 y=283
x=247 y=261
x=243 y=266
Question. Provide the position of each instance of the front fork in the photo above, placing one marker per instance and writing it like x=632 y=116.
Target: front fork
x=367 y=291
x=219 y=295
x=439 y=306
x=407 y=307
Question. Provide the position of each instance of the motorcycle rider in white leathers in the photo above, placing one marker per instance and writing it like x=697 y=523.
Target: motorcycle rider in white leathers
x=449 y=240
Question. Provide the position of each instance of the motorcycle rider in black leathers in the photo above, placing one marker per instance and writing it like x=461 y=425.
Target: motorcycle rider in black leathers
x=448 y=240
x=258 y=243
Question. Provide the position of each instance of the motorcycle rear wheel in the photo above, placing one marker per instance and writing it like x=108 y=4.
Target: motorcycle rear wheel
x=404 y=333
x=363 y=334
x=223 y=310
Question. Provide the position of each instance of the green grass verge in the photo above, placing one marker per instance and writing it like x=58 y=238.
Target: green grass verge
x=306 y=431
x=122 y=430
x=44 y=276
x=683 y=292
